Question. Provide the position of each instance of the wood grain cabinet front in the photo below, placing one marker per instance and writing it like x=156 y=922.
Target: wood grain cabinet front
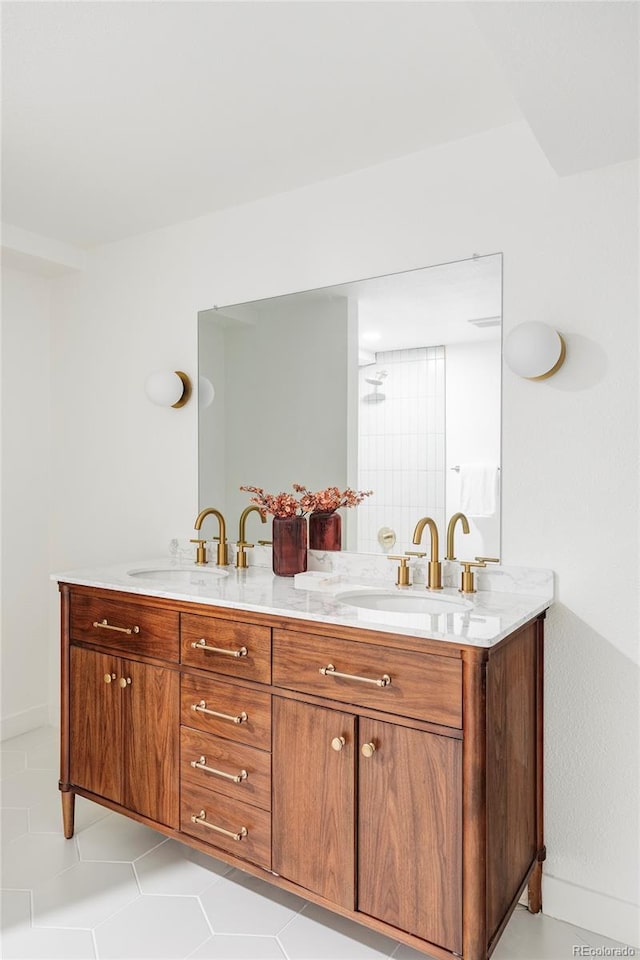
x=124 y=625
x=124 y=717
x=314 y=799
x=235 y=648
x=226 y=767
x=397 y=681
x=385 y=804
x=226 y=710
x=410 y=830
x=238 y=828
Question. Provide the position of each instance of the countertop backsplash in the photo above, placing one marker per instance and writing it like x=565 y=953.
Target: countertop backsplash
x=368 y=566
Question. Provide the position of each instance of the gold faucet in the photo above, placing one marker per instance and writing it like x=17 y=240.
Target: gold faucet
x=242 y=545
x=222 y=537
x=451 y=530
x=434 y=578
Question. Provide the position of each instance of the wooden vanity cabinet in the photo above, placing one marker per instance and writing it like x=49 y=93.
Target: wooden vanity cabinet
x=393 y=780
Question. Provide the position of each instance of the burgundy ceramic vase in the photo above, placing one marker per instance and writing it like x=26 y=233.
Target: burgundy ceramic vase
x=325 y=531
x=289 y=545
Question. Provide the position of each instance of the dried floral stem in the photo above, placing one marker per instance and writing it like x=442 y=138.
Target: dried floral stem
x=330 y=499
x=278 y=505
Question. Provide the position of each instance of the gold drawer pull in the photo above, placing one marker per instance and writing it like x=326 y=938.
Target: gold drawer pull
x=368 y=749
x=330 y=671
x=201 y=819
x=108 y=677
x=201 y=644
x=105 y=625
x=202 y=708
x=201 y=764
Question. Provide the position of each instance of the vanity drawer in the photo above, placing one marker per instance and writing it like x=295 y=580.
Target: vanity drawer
x=423 y=686
x=226 y=710
x=125 y=626
x=227 y=646
x=250 y=827
x=225 y=759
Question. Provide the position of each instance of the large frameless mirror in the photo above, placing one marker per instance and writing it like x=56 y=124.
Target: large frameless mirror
x=391 y=384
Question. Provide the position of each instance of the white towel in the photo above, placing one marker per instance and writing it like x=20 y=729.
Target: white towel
x=478 y=489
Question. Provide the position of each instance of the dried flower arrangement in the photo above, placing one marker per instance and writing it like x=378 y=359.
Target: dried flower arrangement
x=322 y=501
x=278 y=505
x=330 y=499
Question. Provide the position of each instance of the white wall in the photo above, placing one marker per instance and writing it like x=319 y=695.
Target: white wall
x=125 y=472
x=25 y=501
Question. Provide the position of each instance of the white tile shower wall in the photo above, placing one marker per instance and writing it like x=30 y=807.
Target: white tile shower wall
x=401 y=444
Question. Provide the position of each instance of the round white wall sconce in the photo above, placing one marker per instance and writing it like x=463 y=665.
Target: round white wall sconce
x=206 y=392
x=534 y=350
x=168 y=389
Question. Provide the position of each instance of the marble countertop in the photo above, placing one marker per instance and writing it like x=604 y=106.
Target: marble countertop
x=491 y=616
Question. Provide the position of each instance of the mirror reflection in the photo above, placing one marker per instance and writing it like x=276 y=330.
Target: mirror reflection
x=391 y=384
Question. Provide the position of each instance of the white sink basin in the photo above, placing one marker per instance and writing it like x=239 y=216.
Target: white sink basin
x=188 y=576
x=388 y=601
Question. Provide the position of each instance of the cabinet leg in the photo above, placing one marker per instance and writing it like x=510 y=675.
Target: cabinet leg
x=534 y=890
x=68 y=812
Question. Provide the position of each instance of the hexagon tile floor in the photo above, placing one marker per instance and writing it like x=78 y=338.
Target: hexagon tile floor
x=121 y=890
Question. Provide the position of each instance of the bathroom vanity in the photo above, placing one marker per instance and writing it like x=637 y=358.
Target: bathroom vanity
x=391 y=776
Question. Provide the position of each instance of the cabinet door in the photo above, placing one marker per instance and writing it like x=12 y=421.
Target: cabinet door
x=313 y=799
x=150 y=705
x=410 y=831
x=96 y=723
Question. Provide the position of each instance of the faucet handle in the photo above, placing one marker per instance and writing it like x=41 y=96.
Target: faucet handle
x=241 y=556
x=467 y=584
x=402 y=580
x=201 y=552
x=414 y=553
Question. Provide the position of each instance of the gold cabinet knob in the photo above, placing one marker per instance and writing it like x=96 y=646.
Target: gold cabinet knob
x=338 y=743
x=368 y=749
x=108 y=677
x=124 y=681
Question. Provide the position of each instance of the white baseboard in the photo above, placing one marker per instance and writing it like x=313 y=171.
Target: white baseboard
x=23 y=722
x=591 y=910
